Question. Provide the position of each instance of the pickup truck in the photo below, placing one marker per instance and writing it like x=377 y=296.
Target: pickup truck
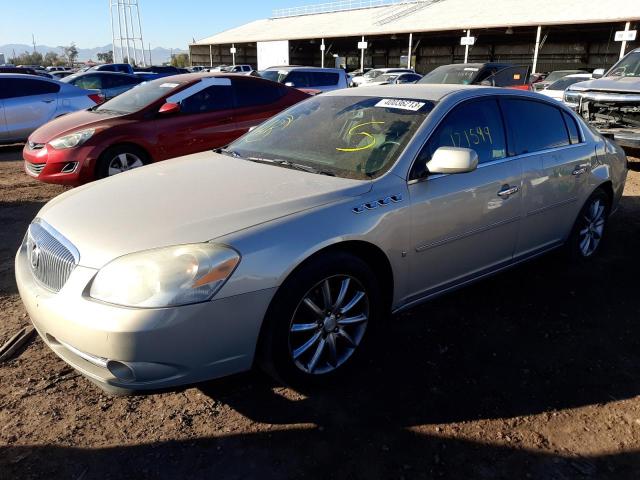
x=611 y=104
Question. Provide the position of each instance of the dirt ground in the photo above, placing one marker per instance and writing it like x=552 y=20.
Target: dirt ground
x=532 y=374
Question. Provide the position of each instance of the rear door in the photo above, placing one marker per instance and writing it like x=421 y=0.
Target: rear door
x=30 y=103
x=556 y=162
x=205 y=120
x=464 y=225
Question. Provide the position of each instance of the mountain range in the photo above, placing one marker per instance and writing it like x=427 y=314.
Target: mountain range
x=159 y=55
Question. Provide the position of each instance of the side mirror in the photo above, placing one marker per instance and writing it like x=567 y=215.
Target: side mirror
x=169 y=108
x=488 y=83
x=453 y=160
x=598 y=73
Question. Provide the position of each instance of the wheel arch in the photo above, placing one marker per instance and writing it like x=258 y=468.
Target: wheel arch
x=121 y=143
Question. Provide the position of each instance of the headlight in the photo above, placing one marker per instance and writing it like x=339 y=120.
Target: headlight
x=72 y=140
x=165 y=277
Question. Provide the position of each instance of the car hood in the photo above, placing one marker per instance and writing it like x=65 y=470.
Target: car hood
x=609 y=84
x=190 y=199
x=68 y=123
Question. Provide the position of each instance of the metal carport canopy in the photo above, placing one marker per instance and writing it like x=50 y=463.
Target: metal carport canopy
x=434 y=16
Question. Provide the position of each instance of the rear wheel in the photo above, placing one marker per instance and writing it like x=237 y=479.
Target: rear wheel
x=320 y=321
x=120 y=159
x=588 y=231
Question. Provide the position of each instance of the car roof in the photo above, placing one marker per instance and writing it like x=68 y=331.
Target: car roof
x=293 y=67
x=26 y=75
x=429 y=92
x=579 y=75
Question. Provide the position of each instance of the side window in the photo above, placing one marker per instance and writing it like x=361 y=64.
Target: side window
x=533 y=126
x=298 y=79
x=476 y=124
x=210 y=99
x=572 y=127
x=24 y=87
x=251 y=93
x=510 y=76
x=89 y=82
x=321 y=79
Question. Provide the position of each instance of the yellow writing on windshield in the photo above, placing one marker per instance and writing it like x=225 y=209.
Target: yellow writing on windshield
x=266 y=130
x=370 y=138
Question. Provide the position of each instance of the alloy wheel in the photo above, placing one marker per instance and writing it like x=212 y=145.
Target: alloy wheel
x=328 y=324
x=123 y=162
x=592 y=228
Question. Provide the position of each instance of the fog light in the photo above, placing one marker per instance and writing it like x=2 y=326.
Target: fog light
x=69 y=167
x=121 y=371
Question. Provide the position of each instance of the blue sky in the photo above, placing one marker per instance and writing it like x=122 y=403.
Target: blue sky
x=165 y=23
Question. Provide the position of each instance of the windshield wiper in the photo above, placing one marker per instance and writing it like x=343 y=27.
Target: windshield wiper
x=288 y=164
x=226 y=151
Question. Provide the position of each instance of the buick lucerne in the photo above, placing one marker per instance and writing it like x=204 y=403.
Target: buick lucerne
x=289 y=246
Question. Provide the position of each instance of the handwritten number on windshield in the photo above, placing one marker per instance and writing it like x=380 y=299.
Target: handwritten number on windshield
x=471 y=136
x=370 y=138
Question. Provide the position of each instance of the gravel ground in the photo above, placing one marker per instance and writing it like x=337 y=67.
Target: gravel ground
x=534 y=373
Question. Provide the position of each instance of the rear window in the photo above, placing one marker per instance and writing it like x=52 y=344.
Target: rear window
x=533 y=126
x=24 y=87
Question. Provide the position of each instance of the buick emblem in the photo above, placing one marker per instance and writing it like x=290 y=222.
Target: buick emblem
x=34 y=255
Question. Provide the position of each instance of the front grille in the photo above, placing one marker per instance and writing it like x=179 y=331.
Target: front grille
x=34 y=168
x=52 y=257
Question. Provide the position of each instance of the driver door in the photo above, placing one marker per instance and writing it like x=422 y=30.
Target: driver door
x=466 y=224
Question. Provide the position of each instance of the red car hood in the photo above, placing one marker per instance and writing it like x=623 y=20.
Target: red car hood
x=71 y=122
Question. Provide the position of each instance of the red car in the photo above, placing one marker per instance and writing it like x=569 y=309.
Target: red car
x=157 y=120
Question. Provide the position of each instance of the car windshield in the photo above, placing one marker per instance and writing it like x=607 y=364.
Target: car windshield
x=558 y=74
x=629 y=66
x=346 y=136
x=388 y=77
x=563 y=83
x=452 y=74
x=274 y=75
x=140 y=96
x=373 y=74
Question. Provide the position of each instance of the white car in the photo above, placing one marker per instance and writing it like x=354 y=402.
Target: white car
x=371 y=75
x=557 y=88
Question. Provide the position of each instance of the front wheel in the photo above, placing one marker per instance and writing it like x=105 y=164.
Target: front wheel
x=120 y=159
x=588 y=231
x=321 y=319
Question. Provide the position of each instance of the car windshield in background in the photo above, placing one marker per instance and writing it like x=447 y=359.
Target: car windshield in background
x=274 y=75
x=451 y=74
x=388 y=77
x=373 y=74
x=627 y=67
x=139 y=96
x=347 y=136
x=565 y=82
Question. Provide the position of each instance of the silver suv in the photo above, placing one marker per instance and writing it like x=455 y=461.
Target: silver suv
x=289 y=247
x=311 y=78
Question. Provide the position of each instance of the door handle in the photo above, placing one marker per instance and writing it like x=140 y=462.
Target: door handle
x=579 y=170
x=47 y=101
x=507 y=191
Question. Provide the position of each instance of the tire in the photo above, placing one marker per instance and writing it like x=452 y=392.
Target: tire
x=587 y=235
x=323 y=346
x=112 y=158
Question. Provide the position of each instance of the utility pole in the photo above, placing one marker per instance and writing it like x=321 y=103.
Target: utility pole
x=33 y=40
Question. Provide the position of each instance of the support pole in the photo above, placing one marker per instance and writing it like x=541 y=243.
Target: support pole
x=623 y=47
x=113 y=33
x=466 y=48
x=322 y=54
x=233 y=53
x=362 y=57
x=120 y=29
x=535 y=51
x=409 y=56
x=211 y=56
x=144 y=61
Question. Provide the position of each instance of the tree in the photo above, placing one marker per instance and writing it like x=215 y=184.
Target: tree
x=26 y=58
x=71 y=53
x=106 y=57
x=52 y=59
x=180 y=60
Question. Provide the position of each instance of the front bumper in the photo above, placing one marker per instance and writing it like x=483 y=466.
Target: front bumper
x=625 y=137
x=126 y=349
x=71 y=166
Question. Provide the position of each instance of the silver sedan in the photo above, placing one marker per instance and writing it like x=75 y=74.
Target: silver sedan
x=289 y=248
x=28 y=102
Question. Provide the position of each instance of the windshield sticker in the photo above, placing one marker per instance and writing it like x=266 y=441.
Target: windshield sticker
x=471 y=69
x=411 y=105
x=370 y=138
x=169 y=85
